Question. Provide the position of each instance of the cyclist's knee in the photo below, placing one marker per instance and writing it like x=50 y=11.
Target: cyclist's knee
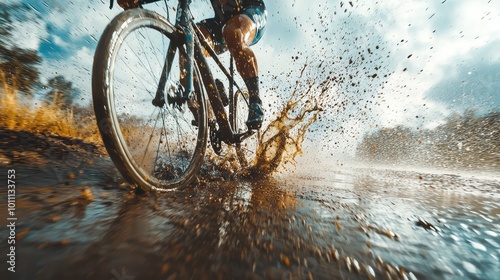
x=234 y=39
x=238 y=31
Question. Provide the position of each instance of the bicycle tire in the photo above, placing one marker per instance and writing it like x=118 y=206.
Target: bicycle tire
x=245 y=151
x=146 y=155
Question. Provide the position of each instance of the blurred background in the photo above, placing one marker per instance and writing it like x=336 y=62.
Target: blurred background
x=413 y=81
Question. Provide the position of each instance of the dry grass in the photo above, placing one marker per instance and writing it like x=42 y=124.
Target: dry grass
x=19 y=112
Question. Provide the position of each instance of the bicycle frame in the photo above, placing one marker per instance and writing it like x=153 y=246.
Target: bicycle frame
x=190 y=36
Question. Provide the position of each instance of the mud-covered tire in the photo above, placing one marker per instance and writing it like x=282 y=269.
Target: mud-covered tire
x=155 y=148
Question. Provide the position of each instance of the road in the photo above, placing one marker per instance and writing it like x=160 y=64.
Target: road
x=80 y=221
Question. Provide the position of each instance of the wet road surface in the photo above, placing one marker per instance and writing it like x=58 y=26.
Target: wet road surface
x=82 y=222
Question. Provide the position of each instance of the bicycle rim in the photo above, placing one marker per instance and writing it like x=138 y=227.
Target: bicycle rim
x=246 y=150
x=155 y=148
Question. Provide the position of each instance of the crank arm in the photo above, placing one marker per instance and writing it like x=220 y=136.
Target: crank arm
x=240 y=137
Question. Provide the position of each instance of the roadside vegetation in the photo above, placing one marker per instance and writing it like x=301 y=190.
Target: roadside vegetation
x=20 y=112
x=30 y=105
x=466 y=140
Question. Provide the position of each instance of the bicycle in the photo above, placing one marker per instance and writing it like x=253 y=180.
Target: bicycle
x=155 y=123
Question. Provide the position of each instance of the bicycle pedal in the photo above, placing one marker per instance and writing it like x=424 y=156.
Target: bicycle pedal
x=242 y=136
x=254 y=126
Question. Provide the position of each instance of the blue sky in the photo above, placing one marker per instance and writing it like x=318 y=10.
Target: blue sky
x=432 y=58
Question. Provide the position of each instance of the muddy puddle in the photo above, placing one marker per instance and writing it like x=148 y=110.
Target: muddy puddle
x=436 y=226
x=355 y=223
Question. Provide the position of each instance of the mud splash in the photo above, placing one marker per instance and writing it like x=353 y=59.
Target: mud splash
x=280 y=142
x=282 y=139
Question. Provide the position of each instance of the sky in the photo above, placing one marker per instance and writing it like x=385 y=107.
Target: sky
x=410 y=63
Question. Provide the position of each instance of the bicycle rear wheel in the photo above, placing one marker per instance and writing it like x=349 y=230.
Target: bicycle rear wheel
x=156 y=148
x=246 y=150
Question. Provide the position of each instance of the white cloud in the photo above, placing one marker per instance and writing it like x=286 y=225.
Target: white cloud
x=59 y=20
x=60 y=41
x=436 y=37
x=28 y=32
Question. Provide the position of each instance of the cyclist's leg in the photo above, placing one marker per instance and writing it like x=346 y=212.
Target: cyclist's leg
x=239 y=33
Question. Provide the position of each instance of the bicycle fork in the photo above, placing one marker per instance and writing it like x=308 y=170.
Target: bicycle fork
x=185 y=37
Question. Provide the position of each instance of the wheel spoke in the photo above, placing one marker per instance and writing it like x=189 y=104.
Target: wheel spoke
x=149 y=142
x=149 y=68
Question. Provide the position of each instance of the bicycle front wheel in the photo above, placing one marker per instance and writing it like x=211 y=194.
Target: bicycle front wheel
x=154 y=147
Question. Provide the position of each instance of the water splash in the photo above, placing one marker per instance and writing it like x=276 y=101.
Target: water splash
x=280 y=142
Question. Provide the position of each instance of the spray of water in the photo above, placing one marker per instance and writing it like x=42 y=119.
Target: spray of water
x=280 y=142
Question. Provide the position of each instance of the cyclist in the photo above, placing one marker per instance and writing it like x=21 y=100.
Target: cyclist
x=237 y=25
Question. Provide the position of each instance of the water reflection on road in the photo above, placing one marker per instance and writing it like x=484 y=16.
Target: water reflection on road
x=349 y=223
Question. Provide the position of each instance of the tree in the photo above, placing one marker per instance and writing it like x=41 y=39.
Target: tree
x=61 y=92
x=466 y=140
x=18 y=65
x=390 y=145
